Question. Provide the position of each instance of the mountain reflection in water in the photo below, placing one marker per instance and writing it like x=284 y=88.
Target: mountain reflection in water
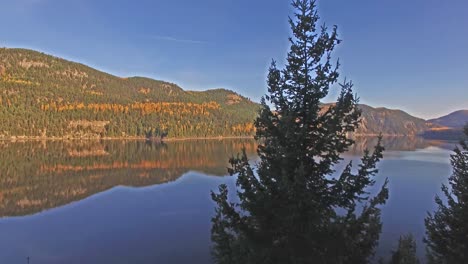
x=36 y=176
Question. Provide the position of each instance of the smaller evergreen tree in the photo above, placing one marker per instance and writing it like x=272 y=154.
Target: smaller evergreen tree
x=447 y=229
x=405 y=252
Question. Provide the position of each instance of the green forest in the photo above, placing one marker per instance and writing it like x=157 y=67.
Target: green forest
x=45 y=96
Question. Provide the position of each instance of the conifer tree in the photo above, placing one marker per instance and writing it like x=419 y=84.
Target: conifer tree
x=405 y=252
x=447 y=229
x=294 y=207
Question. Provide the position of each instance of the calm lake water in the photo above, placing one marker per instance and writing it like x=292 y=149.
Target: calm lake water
x=134 y=202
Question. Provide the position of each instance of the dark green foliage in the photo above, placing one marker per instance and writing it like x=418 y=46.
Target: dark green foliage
x=447 y=229
x=155 y=134
x=405 y=252
x=293 y=207
x=33 y=85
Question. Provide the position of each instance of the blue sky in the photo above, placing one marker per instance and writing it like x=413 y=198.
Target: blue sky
x=407 y=54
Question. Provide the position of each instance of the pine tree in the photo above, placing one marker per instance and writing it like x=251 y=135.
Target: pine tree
x=405 y=252
x=447 y=229
x=294 y=207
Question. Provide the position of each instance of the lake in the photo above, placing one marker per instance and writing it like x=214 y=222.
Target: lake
x=138 y=202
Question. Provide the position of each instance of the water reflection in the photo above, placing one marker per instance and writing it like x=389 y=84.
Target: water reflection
x=166 y=223
x=36 y=176
x=397 y=144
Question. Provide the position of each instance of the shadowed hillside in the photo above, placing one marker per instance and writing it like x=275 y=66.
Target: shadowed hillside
x=456 y=119
x=388 y=122
x=450 y=126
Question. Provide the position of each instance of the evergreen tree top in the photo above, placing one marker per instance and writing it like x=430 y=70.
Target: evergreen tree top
x=294 y=207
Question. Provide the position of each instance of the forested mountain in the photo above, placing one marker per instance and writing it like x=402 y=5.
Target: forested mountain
x=45 y=96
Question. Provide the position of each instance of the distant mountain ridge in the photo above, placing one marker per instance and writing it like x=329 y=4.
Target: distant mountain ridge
x=448 y=127
x=389 y=122
x=457 y=119
x=395 y=122
x=399 y=123
x=43 y=96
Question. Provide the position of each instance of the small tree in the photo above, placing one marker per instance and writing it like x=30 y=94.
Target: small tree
x=447 y=229
x=292 y=208
x=405 y=252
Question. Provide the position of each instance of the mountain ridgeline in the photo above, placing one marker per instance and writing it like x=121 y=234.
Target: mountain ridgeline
x=389 y=122
x=42 y=96
x=394 y=122
x=456 y=119
x=449 y=126
x=45 y=96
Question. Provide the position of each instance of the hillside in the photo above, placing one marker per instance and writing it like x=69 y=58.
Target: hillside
x=399 y=123
x=449 y=127
x=389 y=122
x=456 y=119
x=45 y=96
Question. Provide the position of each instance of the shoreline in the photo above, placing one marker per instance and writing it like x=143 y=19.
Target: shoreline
x=174 y=139
x=26 y=138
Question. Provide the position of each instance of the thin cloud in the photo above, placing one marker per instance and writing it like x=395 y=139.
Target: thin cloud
x=31 y=2
x=169 y=38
